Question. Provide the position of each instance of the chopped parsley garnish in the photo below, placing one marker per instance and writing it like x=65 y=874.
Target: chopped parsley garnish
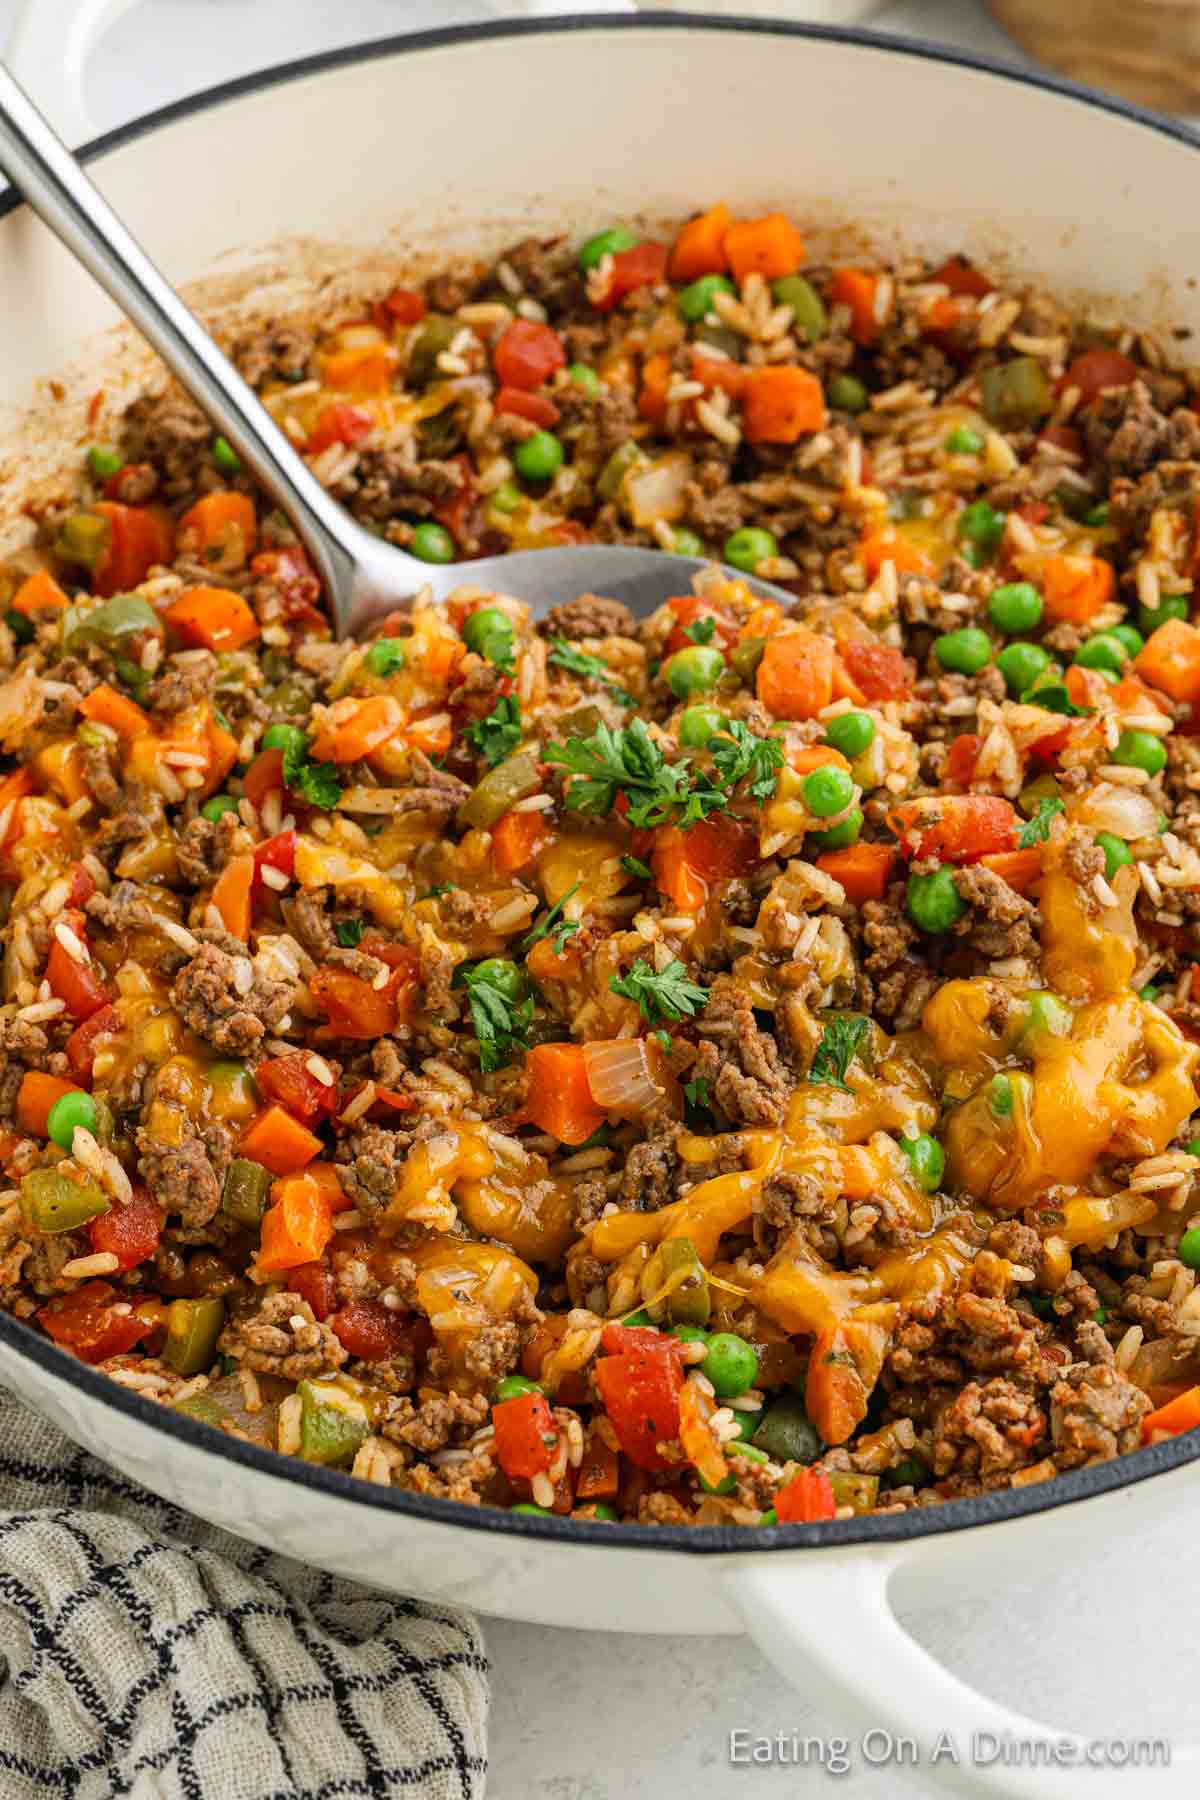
x=839 y=1045
x=1037 y=830
x=629 y=762
x=349 y=932
x=501 y=1023
x=315 y=782
x=1055 y=698
x=664 y=1041
x=701 y=631
x=555 y=924
x=577 y=662
x=496 y=737
x=699 y=1110
x=633 y=865
x=738 y=754
x=661 y=993
x=435 y=893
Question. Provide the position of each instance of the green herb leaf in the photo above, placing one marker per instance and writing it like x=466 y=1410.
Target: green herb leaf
x=739 y=755
x=633 y=865
x=629 y=762
x=661 y=993
x=839 y=1045
x=700 y=630
x=501 y=1024
x=1055 y=698
x=316 y=782
x=349 y=932
x=554 y=922
x=1037 y=830
x=696 y=1092
x=664 y=1041
x=577 y=662
x=497 y=736
x=443 y=887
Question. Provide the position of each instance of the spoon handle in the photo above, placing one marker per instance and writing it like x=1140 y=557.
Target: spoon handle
x=40 y=165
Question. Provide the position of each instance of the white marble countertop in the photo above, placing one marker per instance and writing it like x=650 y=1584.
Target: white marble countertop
x=582 y=1716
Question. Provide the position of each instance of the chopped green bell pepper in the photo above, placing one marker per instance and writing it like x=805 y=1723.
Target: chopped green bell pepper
x=52 y=1202
x=499 y=791
x=244 y=1195
x=332 y=1423
x=193 y=1327
x=688 y=1302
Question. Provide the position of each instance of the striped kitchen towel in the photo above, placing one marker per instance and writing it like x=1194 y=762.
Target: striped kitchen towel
x=145 y=1653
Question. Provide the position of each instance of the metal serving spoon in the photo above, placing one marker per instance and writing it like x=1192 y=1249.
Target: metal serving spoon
x=363 y=576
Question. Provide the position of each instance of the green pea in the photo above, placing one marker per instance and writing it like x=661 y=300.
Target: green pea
x=747 y=1425
x=489 y=632
x=696 y=299
x=686 y=543
x=103 y=462
x=847 y=394
x=746 y=548
x=1131 y=638
x=1000 y=1096
x=226 y=1074
x=1015 y=606
x=218 y=806
x=540 y=457
x=386 y=655
x=285 y=738
x=726 y=1485
x=827 y=791
x=770 y=1517
x=1021 y=664
x=511 y=1387
x=965 y=651
x=731 y=1365
x=506 y=498
x=69 y=1112
x=226 y=457
x=1047 y=1016
x=605 y=243
x=694 y=670
x=1097 y=515
x=851 y=733
x=745 y=657
x=1149 y=994
x=584 y=376
x=687 y=1334
x=1170 y=606
x=1105 y=652
x=698 y=724
x=1140 y=750
x=638 y=1318
x=933 y=901
x=981 y=525
x=432 y=543
x=527 y=1506
x=840 y=836
x=1192 y=1148
x=602 y=1510
x=962 y=441
x=1188 y=1250
x=927 y=1160
x=500 y=973
x=1116 y=853
x=808 y=309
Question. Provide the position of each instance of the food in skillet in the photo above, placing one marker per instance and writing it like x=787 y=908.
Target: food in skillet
x=735 y=1066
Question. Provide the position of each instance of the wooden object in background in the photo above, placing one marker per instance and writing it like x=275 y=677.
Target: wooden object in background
x=1145 y=50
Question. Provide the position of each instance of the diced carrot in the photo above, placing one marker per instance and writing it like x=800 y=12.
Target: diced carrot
x=686 y=862
x=598 y=1472
x=231 y=896
x=887 y=545
x=763 y=622
x=280 y=1143
x=807 y=757
x=338 y=423
x=835 y=1396
x=1075 y=588
x=38 y=593
x=959 y=828
x=781 y=403
x=525 y=1435
x=546 y=963
x=213 y=618
x=139 y=537
x=296 y=1228
x=358 y=730
x=719 y=372
x=656 y=378
x=367 y=370
x=942 y=317
x=699 y=248
x=433 y=734
x=1171 y=660
x=222 y=521
x=643 y=266
x=1180 y=1414
x=864 y=870
x=962 y=278
x=539 y=409
x=36 y=1097
x=559 y=1099
x=326 y=1177
x=857 y=289
x=108 y=707
x=222 y=754
x=352 y=1006
x=1085 y=687
x=1020 y=868
x=769 y=247
x=795 y=676
x=861 y=1173
x=807 y=1498
x=517 y=839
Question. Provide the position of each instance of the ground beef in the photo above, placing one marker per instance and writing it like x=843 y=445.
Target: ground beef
x=989 y=1429
x=391 y=482
x=647 y=1180
x=370 y=1164
x=432 y=791
x=101 y=774
x=1000 y=923
x=305 y=916
x=453 y=288
x=280 y=353
x=1083 y=860
x=168 y=431
x=590 y=616
x=281 y=1336
x=204 y=847
x=124 y=908
x=182 y=684
x=749 y=1082
x=180 y=1174
x=783 y=1203
x=493 y=1351
x=1095 y=1413
x=549 y=272
x=25 y=1043
x=233 y=1019
x=713 y=507
x=1125 y=432
x=439 y=1420
x=143 y=818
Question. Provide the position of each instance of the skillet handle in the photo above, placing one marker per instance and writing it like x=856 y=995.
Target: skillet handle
x=824 y=1618
x=47 y=51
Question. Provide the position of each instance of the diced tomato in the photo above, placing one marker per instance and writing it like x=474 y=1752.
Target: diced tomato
x=139 y=537
x=643 y=266
x=962 y=278
x=961 y=829
x=690 y=609
x=76 y=983
x=130 y=1232
x=386 y=1101
x=878 y=670
x=338 y=423
x=640 y=1390
x=618 y=1339
x=294 y=579
x=279 y=853
x=314 y=1283
x=525 y=1436
x=405 y=305
x=264 y=776
x=81 y=888
x=535 y=407
x=353 y=1008
x=715 y=849
x=1063 y=437
x=964 y=754
x=370 y=1330
x=288 y=1080
x=528 y=354
x=95 y=1322
x=81 y=1045
x=1096 y=370
x=806 y=1498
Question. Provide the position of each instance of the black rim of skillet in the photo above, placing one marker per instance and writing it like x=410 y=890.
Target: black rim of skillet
x=951 y=1515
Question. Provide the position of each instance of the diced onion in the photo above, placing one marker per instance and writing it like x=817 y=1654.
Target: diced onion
x=658 y=491
x=618 y=1072
x=1127 y=812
